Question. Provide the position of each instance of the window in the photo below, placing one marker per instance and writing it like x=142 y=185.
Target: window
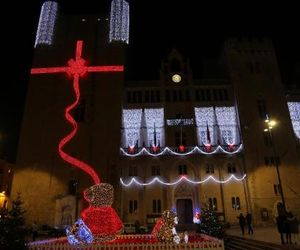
x=262 y=108
x=157 y=95
x=152 y=96
x=174 y=96
x=132 y=171
x=210 y=168
x=180 y=139
x=225 y=93
x=79 y=111
x=215 y=94
x=147 y=96
x=277 y=189
x=134 y=97
x=212 y=203
x=182 y=170
x=133 y=206
x=140 y=98
x=180 y=98
x=187 y=95
x=207 y=92
x=156 y=206
x=272 y=160
x=167 y=93
x=129 y=97
x=221 y=97
x=231 y=168
x=155 y=170
x=235 y=202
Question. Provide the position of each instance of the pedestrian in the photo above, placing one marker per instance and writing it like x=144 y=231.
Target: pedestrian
x=137 y=226
x=249 y=223
x=294 y=226
x=242 y=223
x=34 y=230
x=280 y=221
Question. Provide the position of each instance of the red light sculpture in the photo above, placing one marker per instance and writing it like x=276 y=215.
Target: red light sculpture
x=100 y=228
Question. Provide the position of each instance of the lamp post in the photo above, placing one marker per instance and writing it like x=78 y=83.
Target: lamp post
x=270 y=125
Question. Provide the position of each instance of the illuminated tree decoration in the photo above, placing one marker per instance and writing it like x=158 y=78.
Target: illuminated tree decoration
x=79 y=233
x=132 y=119
x=294 y=108
x=227 y=123
x=45 y=30
x=205 y=118
x=119 y=21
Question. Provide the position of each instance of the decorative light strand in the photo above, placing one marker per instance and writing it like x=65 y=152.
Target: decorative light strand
x=119 y=21
x=76 y=69
x=132 y=119
x=45 y=30
x=155 y=127
x=183 y=178
x=196 y=149
x=178 y=122
x=294 y=108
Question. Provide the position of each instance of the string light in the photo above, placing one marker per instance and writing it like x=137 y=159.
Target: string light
x=45 y=30
x=194 y=150
x=294 y=108
x=181 y=179
x=183 y=122
x=155 y=126
x=119 y=21
x=132 y=119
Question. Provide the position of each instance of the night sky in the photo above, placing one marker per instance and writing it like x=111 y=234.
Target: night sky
x=196 y=28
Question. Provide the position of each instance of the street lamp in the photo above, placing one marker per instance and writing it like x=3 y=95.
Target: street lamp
x=270 y=125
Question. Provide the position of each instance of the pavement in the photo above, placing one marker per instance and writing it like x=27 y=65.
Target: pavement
x=266 y=234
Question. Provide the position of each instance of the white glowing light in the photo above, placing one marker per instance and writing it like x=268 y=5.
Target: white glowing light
x=45 y=30
x=183 y=178
x=205 y=117
x=132 y=119
x=294 y=108
x=227 y=123
x=119 y=21
x=178 y=122
x=194 y=150
x=155 y=127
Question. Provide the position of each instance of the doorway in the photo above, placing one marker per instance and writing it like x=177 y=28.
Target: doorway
x=184 y=208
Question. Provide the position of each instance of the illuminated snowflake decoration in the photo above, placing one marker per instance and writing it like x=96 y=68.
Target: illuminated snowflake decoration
x=294 y=108
x=155 y=127
x=119 y=21
x=205 y=117
x=132 y=119
x=227 y=125
x=45 y=30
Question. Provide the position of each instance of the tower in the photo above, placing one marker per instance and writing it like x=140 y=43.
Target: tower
x=51 y=187
x=259 y=93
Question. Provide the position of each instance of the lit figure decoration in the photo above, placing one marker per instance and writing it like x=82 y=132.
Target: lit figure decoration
x=79 y=233
x=45 y=30
x=294 y=108
x=119 y=21
x=77 y=68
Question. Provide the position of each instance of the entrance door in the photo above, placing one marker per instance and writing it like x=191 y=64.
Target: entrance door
x=184 y=208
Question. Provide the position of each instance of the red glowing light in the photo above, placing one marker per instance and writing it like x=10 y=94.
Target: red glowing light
x=76 y=69
x=181 y=148
x=208 y=147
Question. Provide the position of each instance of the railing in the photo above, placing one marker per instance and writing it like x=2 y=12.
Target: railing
x=207 y=243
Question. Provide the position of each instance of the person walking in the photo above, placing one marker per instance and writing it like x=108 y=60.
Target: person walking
x=249 y=223
x=242 y=223
x=280 y=221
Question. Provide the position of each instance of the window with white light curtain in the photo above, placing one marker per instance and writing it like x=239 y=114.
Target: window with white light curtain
x=294 y=108
x=143 y=128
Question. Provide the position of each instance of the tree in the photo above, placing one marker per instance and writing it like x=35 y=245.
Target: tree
x=210 y=224
x=12 y=226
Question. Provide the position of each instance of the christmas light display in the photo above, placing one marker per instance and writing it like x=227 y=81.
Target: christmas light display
x=155 y=127
x=180 y=122
x=132 y=119
x=45 y=30
x=119 y=21
x=205 y=118
x=227 y=123
x=194 y=150
x=134 y=181
x=197 y=216
x=167 y=232
x=294 y=108
x=79 y=233
x=100 y=217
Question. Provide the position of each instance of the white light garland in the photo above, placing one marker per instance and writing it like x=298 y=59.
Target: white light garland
x=177 y=122
x=183 y=178
x=45 y=30
x=294 y=108
x=132 y=119
x=195 y=150
x=119 y=21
